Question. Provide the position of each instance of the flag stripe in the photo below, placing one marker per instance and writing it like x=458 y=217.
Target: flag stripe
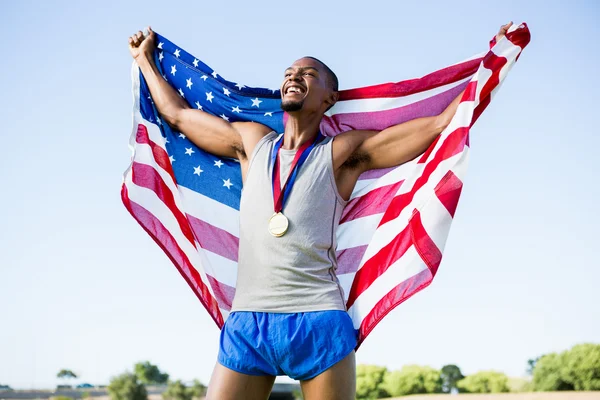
x=379 y=120
x=443 y=76
x=146 y=176
x=374 y=202
x=214 y=239
x=165 y=240
x=160 y=154
x=453 y=144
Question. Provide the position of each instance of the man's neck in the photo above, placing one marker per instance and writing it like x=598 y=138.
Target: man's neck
x=300 y=129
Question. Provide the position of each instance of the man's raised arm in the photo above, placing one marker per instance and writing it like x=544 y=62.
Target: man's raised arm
x=210 y=133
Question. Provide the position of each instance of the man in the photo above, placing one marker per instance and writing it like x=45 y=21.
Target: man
x=288 y=316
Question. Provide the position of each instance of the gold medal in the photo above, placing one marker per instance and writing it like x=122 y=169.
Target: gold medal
x=278 y=224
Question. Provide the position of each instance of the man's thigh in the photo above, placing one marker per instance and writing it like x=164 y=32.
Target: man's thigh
x=336 y=383
x=227 y=384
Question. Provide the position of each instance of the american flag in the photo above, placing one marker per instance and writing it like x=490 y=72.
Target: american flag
x=393 y=230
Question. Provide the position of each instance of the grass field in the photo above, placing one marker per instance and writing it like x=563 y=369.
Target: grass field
x=508 y=396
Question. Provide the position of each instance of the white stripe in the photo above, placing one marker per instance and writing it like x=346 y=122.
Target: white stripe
x=388 y=231
x=150 y=201
x=357 y=232
x=153 y=130
x=405 y=267
x=224 y=313
x=346 y=283
x=388 y=103
x=210 y=211
x=225 y=270
x=400 y=173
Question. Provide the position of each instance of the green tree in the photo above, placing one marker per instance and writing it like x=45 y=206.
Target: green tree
x=369 y=380
x=177 y=391
x=484 y=382
x=531 y=365
x=582 y=367
x=549 y=373
x=197 y=389
x=149 y=374
x=66 y=374
x=413 y=379
x=127 y=387
x=450 y=375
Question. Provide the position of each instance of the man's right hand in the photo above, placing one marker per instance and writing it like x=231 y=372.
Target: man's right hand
x=142 y=45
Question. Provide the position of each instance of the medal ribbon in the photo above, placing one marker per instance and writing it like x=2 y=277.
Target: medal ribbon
x=280 y=195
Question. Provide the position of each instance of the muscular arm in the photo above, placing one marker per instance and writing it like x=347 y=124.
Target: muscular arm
x=397 y=144
x=210 y=133
x=355 y=152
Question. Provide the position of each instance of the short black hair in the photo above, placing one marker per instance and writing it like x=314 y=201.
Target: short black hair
x=333 y=79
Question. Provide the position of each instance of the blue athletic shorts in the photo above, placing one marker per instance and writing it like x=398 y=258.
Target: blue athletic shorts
x=299 y=345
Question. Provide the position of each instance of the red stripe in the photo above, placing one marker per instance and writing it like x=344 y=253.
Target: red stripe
x=495 y=64
x=438 y=78
x=414 y=234
x=160 y=155
x=379 y=263
x=215 y=239
x=380 y=120
x=391 y=300
x=479 y=109
x=374 y=202
x=448 y=191
x=349 y=259
x=224 y=293
x=427 y=249
x=452 y=145
x=145 y=176
x=520 y=37
x=168 y=244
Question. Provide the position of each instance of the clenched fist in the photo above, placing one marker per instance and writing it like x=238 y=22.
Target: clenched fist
x=142 y=45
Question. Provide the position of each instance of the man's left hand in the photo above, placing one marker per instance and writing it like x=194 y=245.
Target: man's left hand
x=502 y=31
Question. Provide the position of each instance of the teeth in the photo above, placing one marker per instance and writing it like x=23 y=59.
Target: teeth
x=294 y=89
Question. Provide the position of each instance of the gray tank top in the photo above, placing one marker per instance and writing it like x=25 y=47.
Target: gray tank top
x=295 y=272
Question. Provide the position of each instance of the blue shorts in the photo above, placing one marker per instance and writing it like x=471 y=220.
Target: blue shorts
x=299 y=345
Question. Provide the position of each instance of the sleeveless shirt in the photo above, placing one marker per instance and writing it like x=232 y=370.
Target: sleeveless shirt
x=295 y=272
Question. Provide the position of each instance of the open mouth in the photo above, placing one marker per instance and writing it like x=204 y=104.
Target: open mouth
x=294 y=90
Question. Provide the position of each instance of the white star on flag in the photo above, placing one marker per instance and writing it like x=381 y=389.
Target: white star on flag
x=256 y=102
x=197 y=170
x=240 y=86
x=218 y=163
x=172 y=159
x=160 y=56
x=181 y=93
x=177 y=53
x=189 y=151
x=198 y=105
x=268 y=114
x=226 y=92
x=189 y=83
x=173 y=69
x=204 y=77
x=160 y=45
x=236 y=109
x=225 y=117
x=227 y=183
x=209 y=96
x=195 y=63
x=214 y=73
x=181 y=135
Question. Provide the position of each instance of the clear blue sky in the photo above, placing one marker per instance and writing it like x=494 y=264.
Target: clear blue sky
x=83 y=287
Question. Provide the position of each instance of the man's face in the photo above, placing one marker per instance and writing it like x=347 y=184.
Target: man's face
x=305 y=87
